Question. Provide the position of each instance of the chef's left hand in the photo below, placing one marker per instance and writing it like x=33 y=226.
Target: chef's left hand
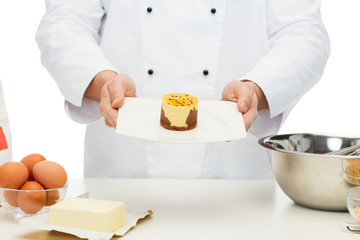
x=249 y=98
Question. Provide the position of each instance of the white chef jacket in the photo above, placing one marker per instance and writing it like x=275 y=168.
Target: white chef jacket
x=190 y=46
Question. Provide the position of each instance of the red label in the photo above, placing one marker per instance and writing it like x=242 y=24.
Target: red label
x=3 y=143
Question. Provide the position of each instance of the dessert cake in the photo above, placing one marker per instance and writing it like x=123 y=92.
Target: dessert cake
x=179 y=111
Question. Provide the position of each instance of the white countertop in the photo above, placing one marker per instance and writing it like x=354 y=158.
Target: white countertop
x=201 y=209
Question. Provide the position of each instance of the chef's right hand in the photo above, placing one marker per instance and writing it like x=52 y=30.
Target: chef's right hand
x=111 y=90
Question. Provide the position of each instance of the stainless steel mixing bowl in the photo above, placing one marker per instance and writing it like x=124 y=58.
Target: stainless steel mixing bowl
x=308 y=174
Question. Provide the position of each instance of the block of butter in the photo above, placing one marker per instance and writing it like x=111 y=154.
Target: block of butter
x=89 y=214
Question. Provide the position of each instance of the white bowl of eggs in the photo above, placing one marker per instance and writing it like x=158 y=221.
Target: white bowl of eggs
x=32 y=185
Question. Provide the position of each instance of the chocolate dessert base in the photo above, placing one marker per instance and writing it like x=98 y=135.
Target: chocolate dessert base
x=174 y=128
x=191 y=121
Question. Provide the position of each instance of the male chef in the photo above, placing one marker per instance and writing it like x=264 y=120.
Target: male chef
x=262 y=54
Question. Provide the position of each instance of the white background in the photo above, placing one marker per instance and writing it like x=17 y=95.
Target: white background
x=35 y=106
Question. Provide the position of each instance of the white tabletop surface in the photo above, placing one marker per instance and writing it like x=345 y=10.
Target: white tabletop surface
x=201 y=209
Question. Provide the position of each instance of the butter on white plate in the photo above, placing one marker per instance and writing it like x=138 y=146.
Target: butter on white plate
x=41 y=221
x=89 y=214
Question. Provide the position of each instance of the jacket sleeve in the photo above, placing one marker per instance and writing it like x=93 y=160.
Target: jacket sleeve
x=68 y=39
x=299 y=47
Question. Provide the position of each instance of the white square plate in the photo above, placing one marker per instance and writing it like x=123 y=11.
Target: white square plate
x=218 y=121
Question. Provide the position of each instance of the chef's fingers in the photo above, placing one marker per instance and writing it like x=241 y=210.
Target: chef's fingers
x=120 y=87
x=240 y=92
x=251 y=114
x=116 y=90
x=105 y=108
x=108 y=124
x=245 y=96
x=228 y=93
x=247 y=103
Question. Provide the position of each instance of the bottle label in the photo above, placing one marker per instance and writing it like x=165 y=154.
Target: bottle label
x=3 y=143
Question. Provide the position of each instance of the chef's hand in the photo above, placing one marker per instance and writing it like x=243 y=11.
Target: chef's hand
x=110 y=89
x=249 y=98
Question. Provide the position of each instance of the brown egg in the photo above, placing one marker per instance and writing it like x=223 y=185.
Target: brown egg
x=30 y=160
x=11 y=197
x=13 y=175
x=52 y=197
x=50 y=174
x=31 y=202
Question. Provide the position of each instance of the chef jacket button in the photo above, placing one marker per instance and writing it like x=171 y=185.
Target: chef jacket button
x=149 y=9
x=205 y=72
x=150 y=71
x=213 y=10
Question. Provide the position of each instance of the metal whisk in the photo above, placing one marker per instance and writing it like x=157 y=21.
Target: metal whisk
x=353 y=150
x=354 y=153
